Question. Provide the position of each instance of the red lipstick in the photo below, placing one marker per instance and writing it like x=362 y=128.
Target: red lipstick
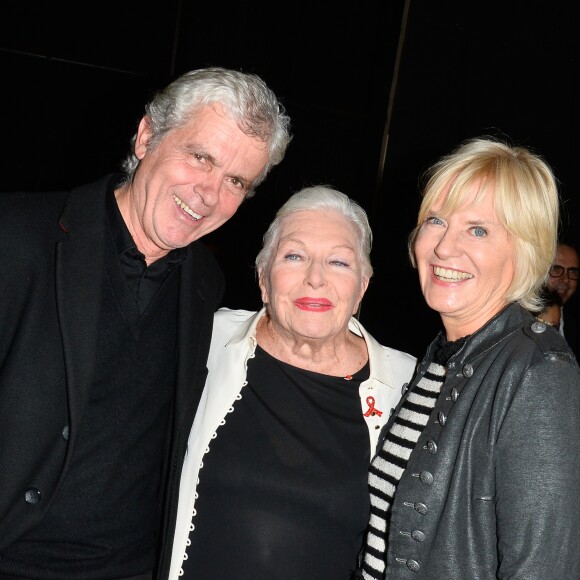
x=313 y=304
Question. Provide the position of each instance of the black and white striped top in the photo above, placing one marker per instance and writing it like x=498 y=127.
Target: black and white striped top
x=388 y=465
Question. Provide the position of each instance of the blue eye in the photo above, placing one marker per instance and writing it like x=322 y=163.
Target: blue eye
x=479 y=232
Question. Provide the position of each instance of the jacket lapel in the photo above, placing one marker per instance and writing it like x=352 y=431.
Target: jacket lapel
x=195 y=320
x=79 y=278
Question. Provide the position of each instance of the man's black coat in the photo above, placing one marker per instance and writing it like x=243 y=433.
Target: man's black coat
x=51 y=264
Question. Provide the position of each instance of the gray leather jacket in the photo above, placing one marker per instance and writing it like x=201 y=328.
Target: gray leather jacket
x=492 y=489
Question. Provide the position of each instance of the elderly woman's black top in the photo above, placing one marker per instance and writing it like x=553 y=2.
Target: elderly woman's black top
x=284 y=488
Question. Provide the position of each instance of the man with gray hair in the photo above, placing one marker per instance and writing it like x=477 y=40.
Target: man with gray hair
x=106 y=310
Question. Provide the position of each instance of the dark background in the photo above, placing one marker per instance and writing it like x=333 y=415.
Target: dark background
x=376 y=91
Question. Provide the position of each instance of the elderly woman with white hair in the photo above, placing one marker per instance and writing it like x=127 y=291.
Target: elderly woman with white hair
x=477 y=472
x=275 y=479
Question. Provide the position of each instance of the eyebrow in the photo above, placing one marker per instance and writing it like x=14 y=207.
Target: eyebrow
x=199 y=150
x=484 y=222
x=245 y=181
x=286 y=240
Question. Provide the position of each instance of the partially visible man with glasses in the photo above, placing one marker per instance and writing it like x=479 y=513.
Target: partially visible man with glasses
x=564 y=280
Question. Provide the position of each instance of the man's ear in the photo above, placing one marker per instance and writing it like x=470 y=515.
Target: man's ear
x=143 y=136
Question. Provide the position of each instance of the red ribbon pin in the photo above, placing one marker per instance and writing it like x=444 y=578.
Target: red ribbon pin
x=371 y=410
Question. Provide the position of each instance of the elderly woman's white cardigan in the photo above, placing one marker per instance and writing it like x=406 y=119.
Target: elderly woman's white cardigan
x=233 y=343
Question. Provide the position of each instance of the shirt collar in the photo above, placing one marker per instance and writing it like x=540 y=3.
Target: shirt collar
x=122 y=238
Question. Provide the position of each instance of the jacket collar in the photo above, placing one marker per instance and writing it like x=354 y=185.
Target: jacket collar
x=509 y=320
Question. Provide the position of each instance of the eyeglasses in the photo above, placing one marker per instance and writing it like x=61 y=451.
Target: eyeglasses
x=557 y=271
